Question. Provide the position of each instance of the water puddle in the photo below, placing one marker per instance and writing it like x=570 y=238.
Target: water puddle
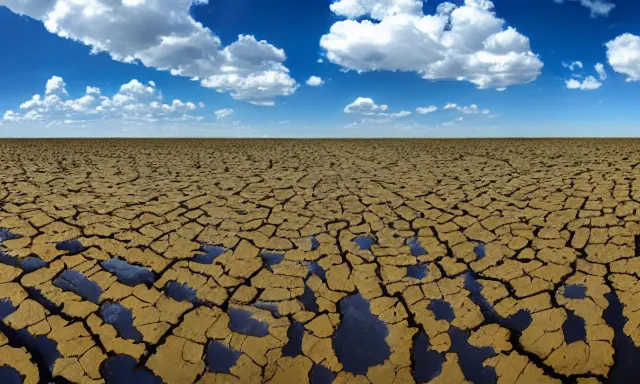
x=221 y=358
x=180 y=292
x=627 y=355
x=471 y=358
x=76 y=282
x=44 y=351
x=516 y=323
x=38 y=297
x=5 y=234
x=480 y=251
x=270 y=259
x=316 y=269
x=416 y=247
x=574 y=291
x=121 y=369
x=308 y=300
x=315 y=244
x=321 y=375
x=122 y=320
x=268 y=306
x=442 y=310
x=295 y=333
x=10 y=375
x=128 y=274
x=28 y=264
x=72 y=246
x=364 y=242
x=210 y=253
x=417 y=271
x=427 y=363
x=573 y=328
x=242 y=321
x=359 y=342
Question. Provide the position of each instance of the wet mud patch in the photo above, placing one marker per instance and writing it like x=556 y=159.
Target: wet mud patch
x=295 y=333
x=574 y=328
x=321 y=375
x=128 y=274
x=359 y=342
x=471 y=358
x=121 y=369
x=73 y=247
x=627 y=355
x=574 y=291
x=242 y=321
x=76 y=282
x=209 y=254
x=364 y=242
x=427 y=363
x=221 y=358
x=415 y=247
x=308 y=300
x=122 y=320
x=417 y=271
x=10 y=375
x=27 y=264
x=442 y=310
x=180 y=292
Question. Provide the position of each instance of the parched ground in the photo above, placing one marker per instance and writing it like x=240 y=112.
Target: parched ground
x=291 y=261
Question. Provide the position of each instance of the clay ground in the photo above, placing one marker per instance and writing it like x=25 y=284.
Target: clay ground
x=290 y=261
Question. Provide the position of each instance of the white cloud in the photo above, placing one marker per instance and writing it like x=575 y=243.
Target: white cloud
x=471 y=109
x=162 y=34
x=599 y=67
x=425 y=110
x=315 y=81
x=365 y=106
x=400 y=114
x=588 y=84
x=466 y=43
x=597 y=7
x=573 y=66
x=133 y=102
x=623 y=54
x=320 y=61
x=223 y=113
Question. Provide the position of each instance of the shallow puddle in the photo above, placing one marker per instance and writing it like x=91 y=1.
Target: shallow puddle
x=573 y=328
x=442 y=310
x=627 y=355
x=180 y=292
x=122 y=320
x=9 y=375
x=72 y=246
x=321 y=375
x=210 y=253
x=316 y=269
x=121 y=369
x=415 y=247
x=480 y=251
x=27 y=264
x=242 y=321
x=427 y=363
x=308 y=299
x=295 y=333
x=417 y=271
x=574 y=291
x=76 y=282
x=471 y=358
x=364 y=242
x=314 y=243
x=270 y=259
x=221 y=358
x=359 y=342
x=128 y=274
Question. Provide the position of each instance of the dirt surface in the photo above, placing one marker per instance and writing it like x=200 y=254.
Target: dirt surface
x=289 y=261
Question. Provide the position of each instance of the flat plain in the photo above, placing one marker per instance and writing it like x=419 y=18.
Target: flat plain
x=321 y=261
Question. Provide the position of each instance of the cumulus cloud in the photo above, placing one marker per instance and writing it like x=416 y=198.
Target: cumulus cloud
x=599 y=67
x=365 y=106
x=163 y=34
x=223 y=113
x=572 y=66
x=588 y=84
x=464 y=43
x=471 y=109
x=315 y=81
x=425 y=110
x=134 y=101
x=597 y=7
x=623 y=54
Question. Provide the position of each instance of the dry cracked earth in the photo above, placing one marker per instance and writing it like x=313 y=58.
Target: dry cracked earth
x=264 y=261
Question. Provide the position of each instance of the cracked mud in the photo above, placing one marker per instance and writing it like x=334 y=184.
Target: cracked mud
x=326 y=261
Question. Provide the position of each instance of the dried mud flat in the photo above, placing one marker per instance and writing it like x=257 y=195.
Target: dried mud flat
x=328 y=261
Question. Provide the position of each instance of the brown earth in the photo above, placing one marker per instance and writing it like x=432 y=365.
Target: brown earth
x=528 y=251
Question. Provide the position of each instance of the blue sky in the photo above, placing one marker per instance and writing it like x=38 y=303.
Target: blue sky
x=381 y=60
